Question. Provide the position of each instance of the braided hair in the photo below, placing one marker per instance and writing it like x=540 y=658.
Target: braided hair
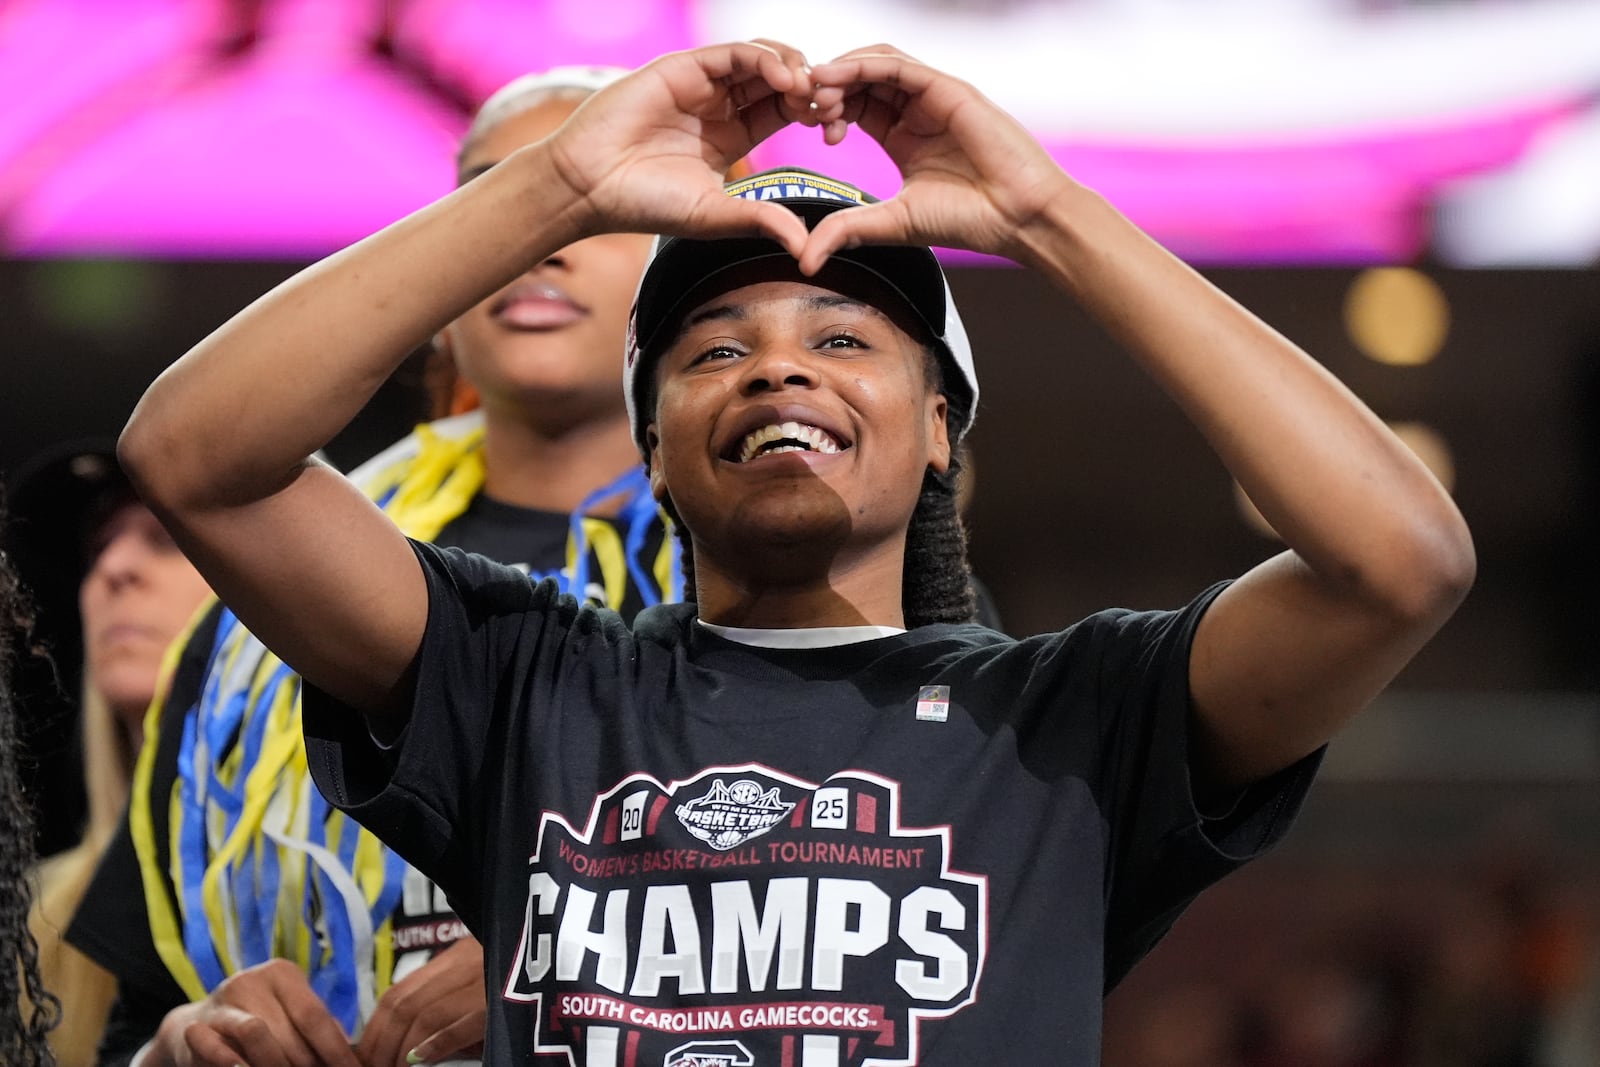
x=936 y=582
x=27 y=1010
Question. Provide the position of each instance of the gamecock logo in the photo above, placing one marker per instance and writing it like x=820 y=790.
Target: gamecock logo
x=709 y=1054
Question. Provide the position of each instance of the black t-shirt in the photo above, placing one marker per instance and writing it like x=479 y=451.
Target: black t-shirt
x=535 y=542
x=517 y=537
x=112 y=924
x=679 y=849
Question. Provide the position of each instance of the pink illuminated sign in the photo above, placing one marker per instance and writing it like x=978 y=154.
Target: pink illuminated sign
x=288 y=128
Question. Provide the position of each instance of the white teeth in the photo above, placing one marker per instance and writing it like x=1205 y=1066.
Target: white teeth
x=804 y=438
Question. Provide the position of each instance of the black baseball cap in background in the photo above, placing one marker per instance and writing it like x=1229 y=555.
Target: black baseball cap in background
x=54 y=504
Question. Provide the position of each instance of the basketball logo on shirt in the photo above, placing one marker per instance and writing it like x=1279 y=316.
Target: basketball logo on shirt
x=742 y=917
x=729 y=815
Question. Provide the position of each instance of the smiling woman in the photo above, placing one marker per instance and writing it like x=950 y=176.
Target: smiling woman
x=791 y=366
x=731 y=453
x=802 y=818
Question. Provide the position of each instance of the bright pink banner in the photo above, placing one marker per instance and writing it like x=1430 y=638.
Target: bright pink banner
x=293 y=127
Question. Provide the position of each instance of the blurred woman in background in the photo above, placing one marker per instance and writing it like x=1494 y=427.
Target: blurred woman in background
x=136 y=592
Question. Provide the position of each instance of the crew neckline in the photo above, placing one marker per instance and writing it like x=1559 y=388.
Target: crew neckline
x=801 y=637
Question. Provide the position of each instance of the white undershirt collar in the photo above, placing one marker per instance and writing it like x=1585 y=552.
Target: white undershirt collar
x=801 y=637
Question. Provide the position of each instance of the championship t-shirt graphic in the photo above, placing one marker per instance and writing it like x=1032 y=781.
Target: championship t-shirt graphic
x=745 y=918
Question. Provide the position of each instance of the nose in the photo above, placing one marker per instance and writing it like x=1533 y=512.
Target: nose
x=122 y=561
x=779 y=366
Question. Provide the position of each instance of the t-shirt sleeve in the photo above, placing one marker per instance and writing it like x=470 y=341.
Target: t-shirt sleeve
x=422 y=793
x=112 y=923
x=1162 y=850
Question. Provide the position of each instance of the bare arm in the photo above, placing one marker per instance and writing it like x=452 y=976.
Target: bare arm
x=1378 y=554
x=218 y=445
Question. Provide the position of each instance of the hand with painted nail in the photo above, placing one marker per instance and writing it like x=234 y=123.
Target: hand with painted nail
x=974 y=178
x=435 y=1013
x=265 y=1016
x=648 y=154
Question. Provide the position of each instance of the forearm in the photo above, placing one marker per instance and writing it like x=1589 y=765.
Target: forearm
x=1379 y=554
x=218 y=445
x=1341 y=490
x=233 y=419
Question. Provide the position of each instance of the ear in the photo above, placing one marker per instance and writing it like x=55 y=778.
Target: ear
x=938 y=408
x=451 y=394
x=658 y=479
x=440 y=378
x=444 y=343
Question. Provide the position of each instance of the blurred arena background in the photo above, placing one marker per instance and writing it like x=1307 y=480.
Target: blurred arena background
x=1409 y=190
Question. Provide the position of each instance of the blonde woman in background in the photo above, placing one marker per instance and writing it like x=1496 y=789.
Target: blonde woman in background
x=76 y=518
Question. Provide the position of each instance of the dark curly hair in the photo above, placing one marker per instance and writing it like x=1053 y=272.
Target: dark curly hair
x=27 y=1010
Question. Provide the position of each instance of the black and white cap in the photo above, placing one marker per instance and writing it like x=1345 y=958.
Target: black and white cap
x=58 y=497
x=524 y=92
x=680 y=267
x=57 y=502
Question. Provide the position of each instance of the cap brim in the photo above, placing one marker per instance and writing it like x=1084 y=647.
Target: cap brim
x=683 y=267
x=50 y=503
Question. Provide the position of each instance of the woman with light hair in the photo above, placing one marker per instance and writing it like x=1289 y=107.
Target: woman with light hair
x=78 y=521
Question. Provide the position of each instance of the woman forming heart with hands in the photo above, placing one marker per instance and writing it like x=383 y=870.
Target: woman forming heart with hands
x=802 y=817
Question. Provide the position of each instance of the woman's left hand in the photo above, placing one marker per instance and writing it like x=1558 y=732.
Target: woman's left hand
x=437 y=1011
x=974 y=178
x=648 y=154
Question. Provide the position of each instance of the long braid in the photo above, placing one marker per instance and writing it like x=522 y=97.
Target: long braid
x=936 y=585
x=22 y=1040
x=685 y=557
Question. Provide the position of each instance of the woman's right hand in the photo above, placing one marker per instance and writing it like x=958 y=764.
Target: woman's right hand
x=648 y=154
x=265 y=1016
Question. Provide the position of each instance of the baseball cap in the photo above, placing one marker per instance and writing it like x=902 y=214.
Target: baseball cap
x=519 y=93
x=679 y=267
x=55 y=502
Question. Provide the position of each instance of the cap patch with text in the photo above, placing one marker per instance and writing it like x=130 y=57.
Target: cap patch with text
x=794 y=184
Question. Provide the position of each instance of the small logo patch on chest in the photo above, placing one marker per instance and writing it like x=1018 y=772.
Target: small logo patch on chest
x=933 y=703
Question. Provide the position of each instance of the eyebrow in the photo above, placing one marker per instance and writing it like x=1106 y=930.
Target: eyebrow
x=736 y=312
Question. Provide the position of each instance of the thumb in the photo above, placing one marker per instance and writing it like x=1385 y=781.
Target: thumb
x=866 y=224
